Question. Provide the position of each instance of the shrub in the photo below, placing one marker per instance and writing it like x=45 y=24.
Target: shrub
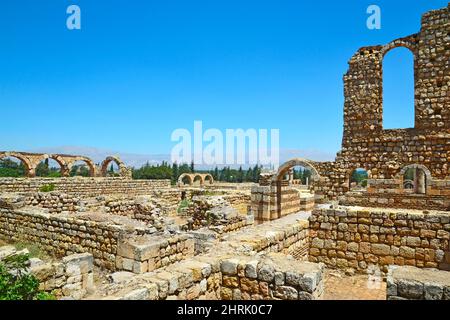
x=47 y=188
x=35 y=250
x=16 y=283
x=183 y=204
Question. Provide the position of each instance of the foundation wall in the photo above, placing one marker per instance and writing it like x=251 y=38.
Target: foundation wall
x=86 y=187
x=360 y=237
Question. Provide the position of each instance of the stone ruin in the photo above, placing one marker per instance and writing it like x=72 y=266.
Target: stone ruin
x=66 y=162
x=123 y=239
x=386 y=155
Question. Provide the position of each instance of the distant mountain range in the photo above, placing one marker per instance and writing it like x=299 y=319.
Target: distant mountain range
x=138 y=160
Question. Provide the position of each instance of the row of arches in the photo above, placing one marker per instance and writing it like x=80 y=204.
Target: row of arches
x=414 y=177
x=17 y=164
x=193 y=179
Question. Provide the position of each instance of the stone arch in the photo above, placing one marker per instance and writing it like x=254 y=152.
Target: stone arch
x=107 y=161
x=27 y=163
x=209 y=178
x=89 y=163
x=195 y=178
x=422 y=178
x=408 y=43
x=296 y=162
x=402 y=172
x=183 y=176
x=64 y=169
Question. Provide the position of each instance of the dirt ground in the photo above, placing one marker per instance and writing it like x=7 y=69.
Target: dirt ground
x=339 y=286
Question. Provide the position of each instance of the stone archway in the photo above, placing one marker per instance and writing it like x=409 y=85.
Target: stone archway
x=104 y=166
x=64 y=168
x=90 y=164
x=209 y=178
x=420 y=180
x=29 y=170
x=284 y=168
x=183 y=177
x=282 y=189
x=197 y=177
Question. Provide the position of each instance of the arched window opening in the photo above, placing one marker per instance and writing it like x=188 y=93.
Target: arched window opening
x=398 y=89
x=80 y=168
x=113 y=169
x=12 y=167
x=358 y=180
x=197 y=181
x=298 y=176
x=186 y=180
x=48 y=168
x=209 y=179
x=415 y=181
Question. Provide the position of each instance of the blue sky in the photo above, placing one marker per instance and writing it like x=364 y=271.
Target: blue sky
x=140 y=69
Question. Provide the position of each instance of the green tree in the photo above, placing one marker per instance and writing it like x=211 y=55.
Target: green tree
x=175 y=174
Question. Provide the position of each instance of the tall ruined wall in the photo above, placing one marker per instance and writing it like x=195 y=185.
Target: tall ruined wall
x=384 y=152
x=88 y=187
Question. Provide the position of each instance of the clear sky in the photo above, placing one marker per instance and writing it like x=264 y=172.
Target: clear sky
x=137 y=70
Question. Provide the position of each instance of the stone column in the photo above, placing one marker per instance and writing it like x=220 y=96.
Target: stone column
x=291 y=176
x=420 y=182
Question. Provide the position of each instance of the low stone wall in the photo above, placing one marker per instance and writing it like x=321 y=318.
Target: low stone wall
x=73 y=277
x=215 y=278
x=191 y=279
x=55 y=202
x=410 y=283
x=63 y=234
x=289 y=235
x=86 y=187
x=147 y=253
x=272 y=277
x=352 y=237
x=236 y=225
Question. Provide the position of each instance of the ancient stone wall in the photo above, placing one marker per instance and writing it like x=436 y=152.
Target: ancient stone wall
x=147 y=253
x=271 y=277
x=115 y=244
x=224 y=278
x=86 y=187
x=55 y=202
x=410 y=283
x=73 y=277
x=359 y=237
x=61 y=235
x=391 y=193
